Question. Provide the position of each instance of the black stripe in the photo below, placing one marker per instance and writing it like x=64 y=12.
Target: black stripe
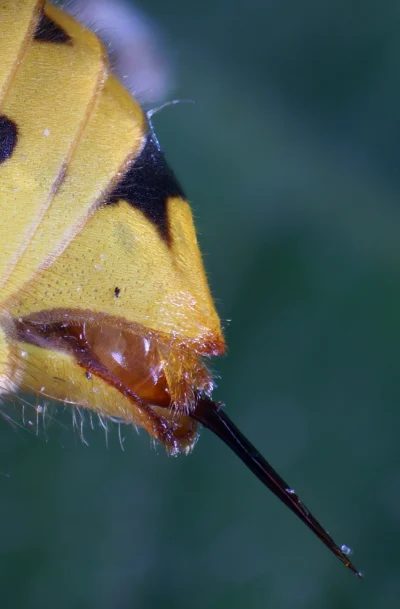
x=48 y=31
x=8 y=137
x=148 y=184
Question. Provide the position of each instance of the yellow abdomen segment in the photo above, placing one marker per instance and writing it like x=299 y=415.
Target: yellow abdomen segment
x=74 y=235
x=98 y=232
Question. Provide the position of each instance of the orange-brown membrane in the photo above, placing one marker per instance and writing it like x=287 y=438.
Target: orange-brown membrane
x=160 y=378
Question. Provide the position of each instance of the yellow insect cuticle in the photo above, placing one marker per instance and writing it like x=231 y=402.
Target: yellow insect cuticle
x=101 y=277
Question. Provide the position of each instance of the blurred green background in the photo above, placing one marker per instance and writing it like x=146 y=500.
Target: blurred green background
x=290 y=157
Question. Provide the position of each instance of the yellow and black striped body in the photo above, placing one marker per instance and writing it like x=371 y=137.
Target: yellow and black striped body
x=104 y=300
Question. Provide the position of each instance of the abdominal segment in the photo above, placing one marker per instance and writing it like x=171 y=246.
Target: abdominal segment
x=117 y=371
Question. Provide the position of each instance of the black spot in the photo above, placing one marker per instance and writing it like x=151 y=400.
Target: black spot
x=117 y=292
x=148 y=184
x=8 y=137
x=48 y=31
x=88 y=375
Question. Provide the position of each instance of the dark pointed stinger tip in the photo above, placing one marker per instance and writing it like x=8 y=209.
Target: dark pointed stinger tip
x=212 y=416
